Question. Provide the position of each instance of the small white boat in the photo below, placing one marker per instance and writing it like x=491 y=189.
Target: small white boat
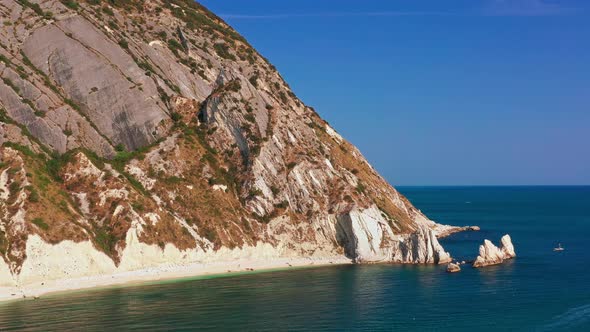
x=559 y=248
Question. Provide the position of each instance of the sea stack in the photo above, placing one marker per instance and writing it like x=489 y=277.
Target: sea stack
x=507 y=247
x=489 y=254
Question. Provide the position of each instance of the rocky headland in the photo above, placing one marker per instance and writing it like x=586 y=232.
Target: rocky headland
x=149 y=135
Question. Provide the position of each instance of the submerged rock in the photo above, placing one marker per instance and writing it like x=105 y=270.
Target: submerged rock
x=489 y=254
x=453 y=268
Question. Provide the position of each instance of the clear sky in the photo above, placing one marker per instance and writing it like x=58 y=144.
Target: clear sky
x=439 y=92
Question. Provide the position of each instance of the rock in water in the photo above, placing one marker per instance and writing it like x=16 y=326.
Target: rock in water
x=453 y=268
x=489 y=254
x=507 y=247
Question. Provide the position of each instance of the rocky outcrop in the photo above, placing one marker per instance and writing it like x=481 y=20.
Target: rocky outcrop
x=368 y=237
x=445 y=230
x=489 y=254
x=420 y=247
x=453 y=268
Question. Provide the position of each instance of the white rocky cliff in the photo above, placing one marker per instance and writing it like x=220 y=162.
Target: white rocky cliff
x=137 y=134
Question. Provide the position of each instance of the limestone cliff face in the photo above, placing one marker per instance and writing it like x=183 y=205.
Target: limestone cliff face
x=128 y=125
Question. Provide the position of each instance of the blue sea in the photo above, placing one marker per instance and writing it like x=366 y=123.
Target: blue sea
x=540 y=290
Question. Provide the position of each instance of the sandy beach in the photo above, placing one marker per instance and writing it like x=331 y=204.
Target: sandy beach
x=161 y=273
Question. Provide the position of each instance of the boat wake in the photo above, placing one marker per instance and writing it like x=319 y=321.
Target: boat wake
x=572 y=318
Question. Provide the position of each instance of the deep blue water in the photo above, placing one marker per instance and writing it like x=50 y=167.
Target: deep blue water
x=540 y=290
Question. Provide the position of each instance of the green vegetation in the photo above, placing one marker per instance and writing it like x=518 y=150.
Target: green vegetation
x=124 y=44
x=137 y=206
x=13 y=170
x=145 y=66
x=254 y=80
x=175 y=46
x=24 y=149
x=162 y=34
x=233 y=86
x=21 y=72
x=283 y=97
x=108 y=11
x=222 y=176
x=39 y=222
x=250 y=118
x=173 y=180
x=113 y=25
x=175 y=116
x=282 y=205
x=14 y=187
x=198 y=17
x=33 y=194
x=254 y=192
x=123 y=157
x=3 y=243
x=71 y=4
x=210 y=234
x=126 y=5
x=8 y=82
x=223 y=51
x=275 y=190
x=360 y=188
x=5 y=60
x=36 y=8
x=105 y=240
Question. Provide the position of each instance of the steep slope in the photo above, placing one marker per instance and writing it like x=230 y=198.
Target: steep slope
x=136 y=133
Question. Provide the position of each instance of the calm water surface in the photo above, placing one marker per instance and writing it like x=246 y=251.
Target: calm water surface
x=541 y=290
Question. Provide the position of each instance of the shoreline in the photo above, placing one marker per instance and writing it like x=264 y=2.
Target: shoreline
x=162 y=273
x=178 y=272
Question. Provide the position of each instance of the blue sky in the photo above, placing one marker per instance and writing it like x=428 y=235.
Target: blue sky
x=439 y=92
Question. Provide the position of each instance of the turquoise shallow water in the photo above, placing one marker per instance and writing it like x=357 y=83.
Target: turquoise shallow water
x=539 y=291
